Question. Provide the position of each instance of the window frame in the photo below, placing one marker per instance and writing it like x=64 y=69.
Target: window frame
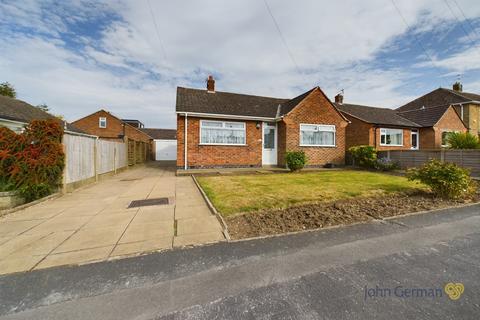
x=100 y=119
x=334 y=145
x=441 y=136
x=387 y=144
x=222 y=128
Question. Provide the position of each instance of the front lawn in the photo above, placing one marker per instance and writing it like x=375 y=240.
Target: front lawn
x=233 y=194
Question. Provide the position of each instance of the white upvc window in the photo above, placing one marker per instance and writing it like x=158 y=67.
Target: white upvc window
x=222 y=132
x=391 y=137
x=445 y=134
x=102 y=122
x=317 y=135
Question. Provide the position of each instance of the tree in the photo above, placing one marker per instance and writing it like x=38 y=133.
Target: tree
x=6 y=89
x=43 y=107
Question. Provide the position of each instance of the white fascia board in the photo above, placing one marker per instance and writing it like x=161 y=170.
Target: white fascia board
x=225 y=116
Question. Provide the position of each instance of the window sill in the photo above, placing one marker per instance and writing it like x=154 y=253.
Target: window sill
x=223 y=144
x=317 y=146
x=391 y=145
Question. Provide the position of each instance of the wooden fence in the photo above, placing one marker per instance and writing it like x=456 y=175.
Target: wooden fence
x=87 y=157
x=469 y=159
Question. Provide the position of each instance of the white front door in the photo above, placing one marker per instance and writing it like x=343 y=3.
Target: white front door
x=269 y=143
x=415 y=138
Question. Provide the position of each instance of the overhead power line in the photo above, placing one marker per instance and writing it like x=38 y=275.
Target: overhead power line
x=466 y=19
x=414 y=35
x=282 y=37
x=156 y=31
x=461 y=25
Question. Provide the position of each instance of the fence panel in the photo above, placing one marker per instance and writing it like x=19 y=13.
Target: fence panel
x=121 y=157
x=469 y=159
x=80 y=157
x=80 y=153
x=105 y=156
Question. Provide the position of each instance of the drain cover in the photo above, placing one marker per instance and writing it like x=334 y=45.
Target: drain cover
x=148 y=202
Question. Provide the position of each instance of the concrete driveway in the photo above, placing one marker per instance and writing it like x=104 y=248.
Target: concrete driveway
x=94 y=223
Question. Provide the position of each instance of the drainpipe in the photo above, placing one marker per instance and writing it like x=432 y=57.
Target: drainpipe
x=185 y=143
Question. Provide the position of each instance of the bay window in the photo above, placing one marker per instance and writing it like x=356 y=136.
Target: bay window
x=222 y=132
x=391 y=137
x=317 y=135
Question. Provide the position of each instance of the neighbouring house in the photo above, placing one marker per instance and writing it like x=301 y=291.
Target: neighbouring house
x=15 y=114
x=107 y=126
x=381 y=128
x=388 y=129
x=223 y=129
x=164 y=143
x=134 y=123
x=466 y=104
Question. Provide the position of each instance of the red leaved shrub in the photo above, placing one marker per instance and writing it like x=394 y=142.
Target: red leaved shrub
x=32 y=161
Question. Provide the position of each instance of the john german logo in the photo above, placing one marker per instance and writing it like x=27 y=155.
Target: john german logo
x=452 y=290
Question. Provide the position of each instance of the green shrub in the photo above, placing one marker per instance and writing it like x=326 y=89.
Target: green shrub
x=364 y=156
x=462 y=140
x=296 y=160
x=385 y=164
x=446 y=180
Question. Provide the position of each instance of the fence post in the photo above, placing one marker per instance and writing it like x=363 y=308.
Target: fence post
x=388 y=154
x=115 y=158
x=442 y=155
x=65 y=168
x=95 y=158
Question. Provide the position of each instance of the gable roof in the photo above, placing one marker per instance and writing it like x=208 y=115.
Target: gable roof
x=375 y=115
x=439 y=97
x=235 y=104
x=18 y=110
x=426 y=117
x=226 y=103
x=161 y=134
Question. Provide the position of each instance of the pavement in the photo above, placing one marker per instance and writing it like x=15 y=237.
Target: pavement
x=94 y=223
x=325 y=274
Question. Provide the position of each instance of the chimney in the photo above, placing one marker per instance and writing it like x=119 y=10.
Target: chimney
x=457 y=86
x=339 y=98
x=210 y=84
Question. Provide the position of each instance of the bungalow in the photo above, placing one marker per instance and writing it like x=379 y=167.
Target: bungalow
x=16 y=114
x=388 y=129
x=223 y=129
x=437 y=102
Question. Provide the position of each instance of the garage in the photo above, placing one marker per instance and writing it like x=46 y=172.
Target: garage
x=164 y=143
x=165 y=150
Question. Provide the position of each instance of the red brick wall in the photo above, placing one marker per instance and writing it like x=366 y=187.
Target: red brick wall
x=450 y=121
x=407 y=142
x=218 y=156
x=315 y=109
x=114 y=127
x=358 y=133
x=427 y=138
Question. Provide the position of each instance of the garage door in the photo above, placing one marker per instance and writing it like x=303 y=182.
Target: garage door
x=165 y=150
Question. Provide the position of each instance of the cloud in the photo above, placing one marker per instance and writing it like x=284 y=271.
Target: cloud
x=80 y=56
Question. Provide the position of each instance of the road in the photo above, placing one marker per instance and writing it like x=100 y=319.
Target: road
x=380 y=270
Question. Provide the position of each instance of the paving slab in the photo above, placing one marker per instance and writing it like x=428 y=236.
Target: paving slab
x=198 y=238
x=75 y=257
x=91 y=238
x=198 y=225
x=94 y=223
x=146 y=231
x=142 y=246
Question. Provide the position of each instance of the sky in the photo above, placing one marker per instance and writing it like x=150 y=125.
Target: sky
x=128 y=57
